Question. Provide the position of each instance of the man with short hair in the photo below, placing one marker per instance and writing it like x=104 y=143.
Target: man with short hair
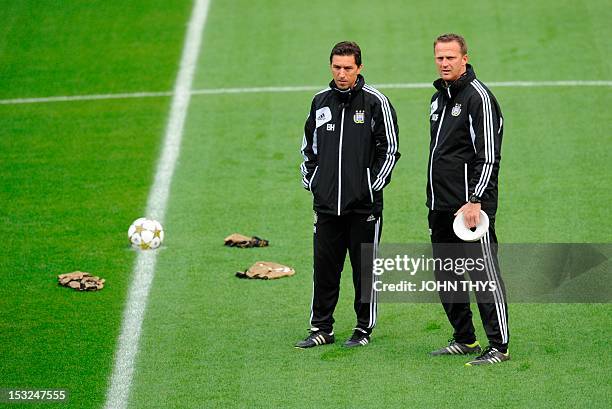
x=350 y=148
x=465 y=151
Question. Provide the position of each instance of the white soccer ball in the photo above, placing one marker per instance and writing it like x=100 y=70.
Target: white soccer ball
x=146 y=234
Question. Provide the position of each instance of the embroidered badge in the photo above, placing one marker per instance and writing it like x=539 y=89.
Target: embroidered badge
x=456 y=110
x=359 y=117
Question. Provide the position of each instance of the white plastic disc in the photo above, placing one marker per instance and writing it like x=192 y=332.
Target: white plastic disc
x=466 y=234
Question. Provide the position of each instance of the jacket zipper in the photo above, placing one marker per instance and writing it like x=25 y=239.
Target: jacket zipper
x=370 y=185
x=312 y=178
x=340 y=161
x=432 y=158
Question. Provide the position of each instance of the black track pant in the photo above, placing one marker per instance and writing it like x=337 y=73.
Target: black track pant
x=333 y=236
x=491 y=304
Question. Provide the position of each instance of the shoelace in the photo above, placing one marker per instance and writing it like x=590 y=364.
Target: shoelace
x=313 y=334
x=487 y=353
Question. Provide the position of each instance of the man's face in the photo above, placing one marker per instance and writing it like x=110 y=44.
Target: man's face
x=345 y=70
x=451 y=63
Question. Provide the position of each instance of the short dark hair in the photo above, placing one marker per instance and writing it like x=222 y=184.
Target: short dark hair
x=347 y=48
x=448 y=37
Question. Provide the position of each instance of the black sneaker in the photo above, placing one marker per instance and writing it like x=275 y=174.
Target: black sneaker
x=489 y=356
x=359 y=338
x=316 y=338
x=457 y=348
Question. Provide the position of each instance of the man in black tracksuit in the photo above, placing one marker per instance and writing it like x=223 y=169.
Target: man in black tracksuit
x=465 y=152
x=350 y=148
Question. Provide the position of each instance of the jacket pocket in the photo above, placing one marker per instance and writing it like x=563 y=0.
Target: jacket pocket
x=314 y=174
x=370 y=185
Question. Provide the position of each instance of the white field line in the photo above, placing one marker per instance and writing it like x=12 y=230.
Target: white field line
x=94 y=97
x=249 y=90
x=144 y=269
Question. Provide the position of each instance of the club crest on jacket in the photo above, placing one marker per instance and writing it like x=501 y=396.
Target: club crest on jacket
x=456 y=110
x=359 y=117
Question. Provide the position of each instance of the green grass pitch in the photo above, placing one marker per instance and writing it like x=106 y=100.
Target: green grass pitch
x=73 y=175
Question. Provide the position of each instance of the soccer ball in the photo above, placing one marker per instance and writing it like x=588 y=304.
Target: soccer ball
x=146 y=234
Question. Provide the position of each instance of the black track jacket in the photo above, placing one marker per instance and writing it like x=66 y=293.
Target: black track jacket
x=350 y=148
x=465 y=148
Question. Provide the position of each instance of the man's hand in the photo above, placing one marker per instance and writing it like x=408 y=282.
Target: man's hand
x=471 y=214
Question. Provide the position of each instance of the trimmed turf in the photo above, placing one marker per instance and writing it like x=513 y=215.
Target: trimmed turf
x=70 y=188
x=231 y=340
x=73 y=48
x=74 y=175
